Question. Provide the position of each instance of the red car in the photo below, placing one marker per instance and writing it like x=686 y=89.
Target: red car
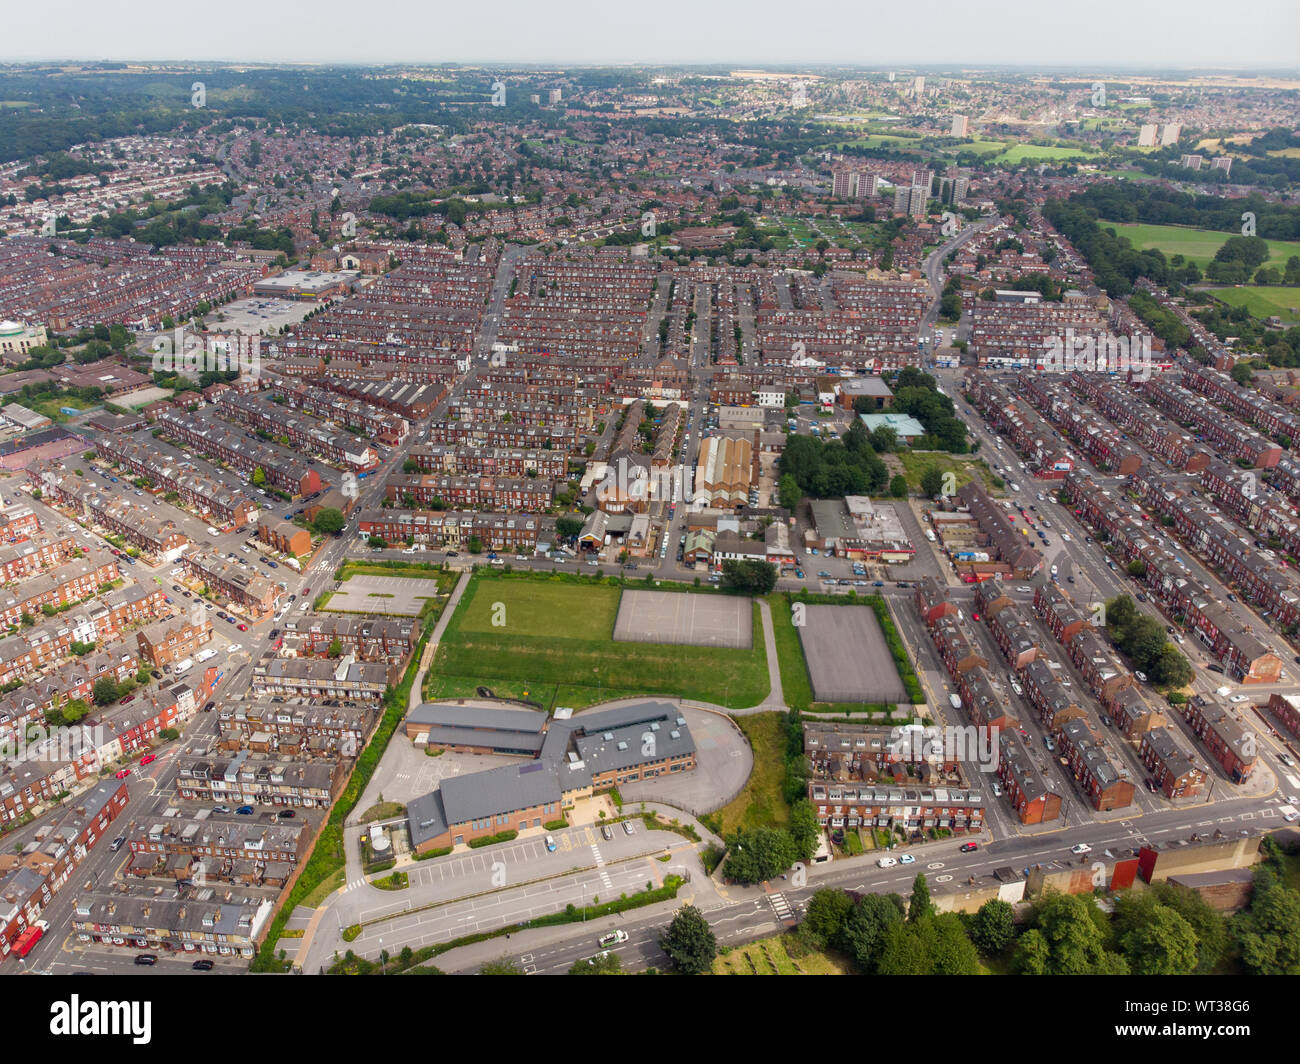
x=967 y=847
x=124 y=773
x=242 y=627
x=128 y=698
x=148 y=759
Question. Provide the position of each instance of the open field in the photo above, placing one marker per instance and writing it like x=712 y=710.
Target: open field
x=1264 y=302
x=964 y=467
x=762 y=803
x=1019 y=153
x=1197 y=245
x=769 y=956
x=557 y=644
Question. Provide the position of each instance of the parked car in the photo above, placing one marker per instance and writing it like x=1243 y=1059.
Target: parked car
x=1151 y=785
x=202 y=966
x=146 y=958
x=148 y=759
x=244 y=810
x=550 y=843
x=906 y=858
x=242 y=627
x=627 y=828
x=123 y=773
x=886 y=862
x=221 y=809
x=607 y=832
x=286 y=814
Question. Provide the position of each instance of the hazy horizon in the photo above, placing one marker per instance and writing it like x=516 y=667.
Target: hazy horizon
x=1019 y=34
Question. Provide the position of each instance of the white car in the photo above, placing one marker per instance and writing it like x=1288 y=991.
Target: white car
x=234 y=648
x=212 y=531
x=1081 y=849
x=906 y=858
x=886 y=862
x=1237 y=699
x=1065 y=536
x=1025 y=589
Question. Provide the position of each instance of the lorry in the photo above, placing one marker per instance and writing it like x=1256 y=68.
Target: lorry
x=28 y=937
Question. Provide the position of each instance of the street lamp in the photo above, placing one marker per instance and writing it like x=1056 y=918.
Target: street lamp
x=382 y=962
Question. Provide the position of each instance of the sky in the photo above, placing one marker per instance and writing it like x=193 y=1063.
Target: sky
x=1034 y=34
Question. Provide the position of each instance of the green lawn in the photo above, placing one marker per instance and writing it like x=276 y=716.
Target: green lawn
x=795 y=683
x=965 y=467
x=762 y=803
x=1263 y=302
x=557 y=644
x=1197 y=245
x=1019 y=153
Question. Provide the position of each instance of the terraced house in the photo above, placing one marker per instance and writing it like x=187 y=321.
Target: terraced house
x=206 y=495
x=69 y=583
x=244 y=779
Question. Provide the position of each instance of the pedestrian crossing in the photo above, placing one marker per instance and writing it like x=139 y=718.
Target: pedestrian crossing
x=353 y=884
x=781 y=907
x=605 y=881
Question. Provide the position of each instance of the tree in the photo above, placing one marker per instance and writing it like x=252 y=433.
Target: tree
x=502 y=966
x=1153 y=937
x=750 y=576
x=804 y=829
x=920 y=905
x=328 y=520
x=259 y=477
x=1268 y=933
x=1241 y=373
x=335 y=648
x=105 y=691
x=931 y=481
x=1209 y=925
x=898 y=487
x=824 y=919
x=936 y=944
x=1067 y=940
x=568 y=527
x=606 y=963
x=993 y=927
x=863 y=932
x=759 y=854
x=788 y=492
x=689 y=942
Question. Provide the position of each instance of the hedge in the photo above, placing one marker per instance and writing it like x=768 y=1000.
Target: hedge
x=491 y=840
x=431 y=854
x=556 y=825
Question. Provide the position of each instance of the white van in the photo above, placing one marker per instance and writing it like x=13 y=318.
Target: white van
x=207 y=655
x=183 y=667
x=929 y=534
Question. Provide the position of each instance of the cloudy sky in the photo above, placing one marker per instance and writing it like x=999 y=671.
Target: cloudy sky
x=1142 y=34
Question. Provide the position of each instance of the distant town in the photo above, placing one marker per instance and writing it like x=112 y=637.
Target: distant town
x=629 y=520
